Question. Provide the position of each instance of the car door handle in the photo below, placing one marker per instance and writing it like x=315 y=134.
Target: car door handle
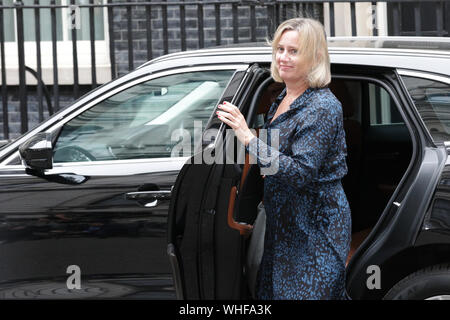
x=149 y=198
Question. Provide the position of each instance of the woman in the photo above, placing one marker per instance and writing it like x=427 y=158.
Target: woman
x=308 y=223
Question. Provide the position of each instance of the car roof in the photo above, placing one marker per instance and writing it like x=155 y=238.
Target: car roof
x=430 y=54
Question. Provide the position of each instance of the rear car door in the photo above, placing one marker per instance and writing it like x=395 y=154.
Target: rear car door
x=94 y=226
x=430 y=94
x=394 y=242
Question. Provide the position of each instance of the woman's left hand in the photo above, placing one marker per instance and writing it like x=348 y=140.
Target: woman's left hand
x=230 y=115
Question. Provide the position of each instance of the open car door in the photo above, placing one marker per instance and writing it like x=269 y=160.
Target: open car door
x=206 y=246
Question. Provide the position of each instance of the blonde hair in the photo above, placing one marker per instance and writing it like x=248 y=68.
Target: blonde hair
x=312 y=45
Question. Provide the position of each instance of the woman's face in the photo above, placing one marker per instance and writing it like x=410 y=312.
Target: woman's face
x=291 y=64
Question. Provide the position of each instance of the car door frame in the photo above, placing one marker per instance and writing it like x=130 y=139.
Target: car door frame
x=398 y=227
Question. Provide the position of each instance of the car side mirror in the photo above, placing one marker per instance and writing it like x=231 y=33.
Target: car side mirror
x=36 y=153
x=37 y=156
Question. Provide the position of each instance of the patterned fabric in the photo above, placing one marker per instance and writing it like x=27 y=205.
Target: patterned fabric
x=308 y=226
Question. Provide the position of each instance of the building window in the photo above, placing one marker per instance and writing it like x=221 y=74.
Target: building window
x=64 y=42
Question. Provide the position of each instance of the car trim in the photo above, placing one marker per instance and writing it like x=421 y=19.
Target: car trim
x=426 y=75
x=389 y=52
x=65 y=117
x=106 y=162
x=105 y=168
x=439 y=297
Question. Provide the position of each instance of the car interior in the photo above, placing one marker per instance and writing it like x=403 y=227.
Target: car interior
x=379 y=150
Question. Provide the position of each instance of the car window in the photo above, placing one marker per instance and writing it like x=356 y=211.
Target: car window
x=383 y=110
x=432 y=100
x=356 y=95
x=148 y=120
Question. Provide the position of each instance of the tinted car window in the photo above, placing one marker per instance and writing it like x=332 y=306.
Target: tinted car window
x=382 y=108
x=148 y=120
x=432 y=100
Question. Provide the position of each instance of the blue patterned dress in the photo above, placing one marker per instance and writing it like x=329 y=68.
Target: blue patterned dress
x=308 y=223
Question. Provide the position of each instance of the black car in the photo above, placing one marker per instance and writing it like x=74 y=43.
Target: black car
x=89 y=216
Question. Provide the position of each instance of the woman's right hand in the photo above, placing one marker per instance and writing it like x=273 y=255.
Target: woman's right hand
x=232 y=116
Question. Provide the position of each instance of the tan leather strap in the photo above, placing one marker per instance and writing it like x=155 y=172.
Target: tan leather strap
x=244 y=229
x=245 y=170
x=246 y=165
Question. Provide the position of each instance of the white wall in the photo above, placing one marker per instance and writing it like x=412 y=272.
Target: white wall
x=366 y=18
